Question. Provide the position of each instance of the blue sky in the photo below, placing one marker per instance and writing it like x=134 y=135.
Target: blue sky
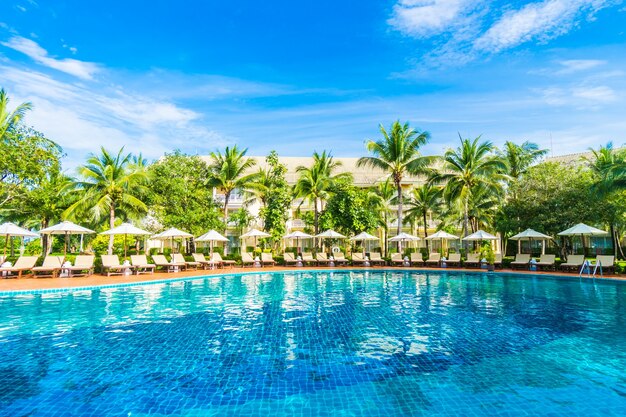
x=304 y=76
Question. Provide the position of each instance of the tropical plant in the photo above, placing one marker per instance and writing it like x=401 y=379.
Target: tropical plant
x=519 y=158
x=397 y=154
x=9 y=120
x=467 y=169
x=381 y=199
x=277 y=198
x=109 y=185
x=347 y=210
x=315 y=182
x=228 y=172
x=424 y=199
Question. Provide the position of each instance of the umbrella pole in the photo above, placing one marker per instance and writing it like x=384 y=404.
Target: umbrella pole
x=6 y=243
x=125 y=245
x=65 y=245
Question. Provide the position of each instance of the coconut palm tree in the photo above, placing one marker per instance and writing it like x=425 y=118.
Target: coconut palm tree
x=110 y=185
x=381 y=199
x=519 y=158
x=228 y=172
x=424 y=199
x=397 y=154
x=315 y=182
x=10 y=119
x=471 y=167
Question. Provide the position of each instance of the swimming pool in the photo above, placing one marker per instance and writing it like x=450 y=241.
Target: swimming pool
x=348 y=343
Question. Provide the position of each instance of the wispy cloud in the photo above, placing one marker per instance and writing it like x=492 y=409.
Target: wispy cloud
x=80 y=69
x=464 y=30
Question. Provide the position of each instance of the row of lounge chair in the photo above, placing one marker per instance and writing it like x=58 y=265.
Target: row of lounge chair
x=574 y=263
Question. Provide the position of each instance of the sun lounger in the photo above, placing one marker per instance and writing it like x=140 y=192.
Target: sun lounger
x=111 y=266
x=23 y=263
x=417 y=259
x=290 y=259
x=51 y=267
x=204 y=263
x=308 y=259
x=160 y=261
x=358 y=258
x=340 y=258
x=546 y=262
x=573 y=263
x=607 y=262
x=396 y=259
x=267 y=259
x=180 y=259
x=434 y=259
x=322 y=259
x=522 y=261
x=83 y=265
x=216 y=257
x=472 y=261
x=498 y=261
x=247 y=259
x=141 y=264
x=454 y=259
x=376 y=259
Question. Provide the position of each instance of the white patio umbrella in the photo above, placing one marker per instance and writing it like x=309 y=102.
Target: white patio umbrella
x=583 y=230
x=363 y=237
x=480 y=235
x=298 y=235
x=10 y=229
x=330 y=234
x=530 y=235
x=172 y=233
x=212 y=236
x=404 y=237
x=442 y=236
x=125 y=229
x=255 y=233
x=66 y=228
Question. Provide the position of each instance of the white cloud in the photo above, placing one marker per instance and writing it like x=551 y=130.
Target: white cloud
x=83 y=118
x=539 y=21
x=581 y=97
x=425 y=18
x=80 y=69
x=577 y=65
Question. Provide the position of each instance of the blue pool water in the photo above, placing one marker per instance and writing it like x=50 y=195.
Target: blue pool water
x=349 y=343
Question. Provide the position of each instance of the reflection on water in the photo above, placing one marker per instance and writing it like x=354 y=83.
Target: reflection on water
x=354 y=343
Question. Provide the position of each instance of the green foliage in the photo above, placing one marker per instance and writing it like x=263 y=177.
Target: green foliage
x=179 y=197
x=550 y=197
x=99 y=245
x=347 y=210
x=278 y=201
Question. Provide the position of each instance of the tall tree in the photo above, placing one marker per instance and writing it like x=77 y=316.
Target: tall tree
x=470 y=167
x=519 y=158
x=424 y=199
x=277 y=198
x=397 y=154
x=381 y=200
x=178 y=195
x=9 y=120
x=608 y=167
x=110 y=184
x=316 y=181
x=228 y=172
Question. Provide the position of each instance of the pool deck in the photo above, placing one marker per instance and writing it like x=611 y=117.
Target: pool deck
x=30 y=283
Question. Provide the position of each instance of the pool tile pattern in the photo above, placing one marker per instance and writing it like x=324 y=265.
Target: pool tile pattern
x=366 y=343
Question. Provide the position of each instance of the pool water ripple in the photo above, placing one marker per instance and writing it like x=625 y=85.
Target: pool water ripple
x=319 y=344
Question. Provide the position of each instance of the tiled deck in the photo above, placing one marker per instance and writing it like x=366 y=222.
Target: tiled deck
x=30 y=283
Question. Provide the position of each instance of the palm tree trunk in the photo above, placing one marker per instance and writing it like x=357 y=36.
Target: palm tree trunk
x=45 y=239
x=316 y=219
x=425 y=231
x=465 y=220
x=399 y=230
x=226 y=198
x=111 y=226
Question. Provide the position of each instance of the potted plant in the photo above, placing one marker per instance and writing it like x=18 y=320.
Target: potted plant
x=490 y=256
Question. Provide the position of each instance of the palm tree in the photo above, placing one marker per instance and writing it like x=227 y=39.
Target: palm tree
x=10 y=120
x=424 y=199
x=315 y=182
x=609 y=169
x=467 y=169
x=380 y=200
x=397 y=153
x=227 y=172
x=520 y=157
x=110 y=184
